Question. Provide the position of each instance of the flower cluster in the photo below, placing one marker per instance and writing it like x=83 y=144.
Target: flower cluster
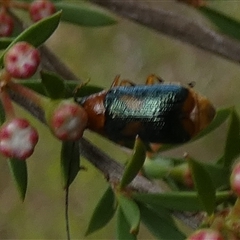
x=225 y=224
x=66 y=119
x=38 y=10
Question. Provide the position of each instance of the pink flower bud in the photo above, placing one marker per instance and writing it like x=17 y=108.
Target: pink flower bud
x=235 y=179
x=68 y=121
x=206 y=234
x=40 y=9
x=6 y=24
x=187 y=178
x=22 y=60
x=17 y=139
x=182 y=174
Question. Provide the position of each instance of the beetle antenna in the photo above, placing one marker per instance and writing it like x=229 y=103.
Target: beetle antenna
x=160 y=80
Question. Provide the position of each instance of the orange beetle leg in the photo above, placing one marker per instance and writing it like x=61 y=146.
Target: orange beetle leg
x=117 y=82
x=151 y=79
x=80 y=86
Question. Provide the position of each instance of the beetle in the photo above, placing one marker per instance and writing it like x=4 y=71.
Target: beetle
x=157 y=113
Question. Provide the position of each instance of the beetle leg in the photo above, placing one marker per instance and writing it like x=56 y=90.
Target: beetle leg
x=80 y=86
x=127 y=83
x=151 y=79
x=117 y=82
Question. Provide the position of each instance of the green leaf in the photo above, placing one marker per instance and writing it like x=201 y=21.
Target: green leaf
x=84 y=90
x=123 y=227
x=225 y=24
x=232 y=147
x=156 y=169
x=182 y=201
x=70 y=163
x=5 y=42
x=34 y=84
x=135 y=164
x=37 y=33
x=72 y=88
x=220 y=175
x=19 y=172
x=204 y=185
x=131 y=212
x=160 y=223
x=103 y=212
x=53 y=84
x=84 y=14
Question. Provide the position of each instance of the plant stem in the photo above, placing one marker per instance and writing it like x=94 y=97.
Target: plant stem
x=31 y=95
x=7 y=104
x=67 y=212
x=176 y=26
x=19 y=5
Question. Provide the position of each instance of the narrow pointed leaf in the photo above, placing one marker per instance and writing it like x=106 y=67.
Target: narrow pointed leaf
x=103 y=212
x=37 y=33
x=160 y=223
x=19 y=172
x=232 y=147
x=225 y=24
x=131 y=212
x=34 y=84
x=5 y=42
x=84 y=14
x=123 y=227
x=84 y=90
x=180 y=201
x=220 y=175
x=70 y=163
x=70 y=87
x=204 y=185
x=53 y=84
x=135 y=164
